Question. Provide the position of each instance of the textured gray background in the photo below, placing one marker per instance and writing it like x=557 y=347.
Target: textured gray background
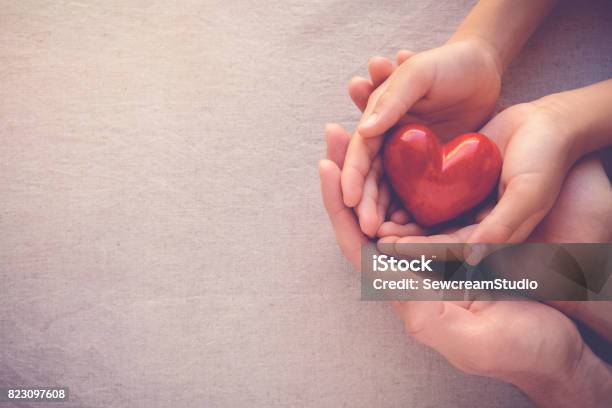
x=162 y=239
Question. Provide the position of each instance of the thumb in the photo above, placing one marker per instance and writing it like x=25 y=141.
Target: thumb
x=449 y=328
x=525 y=201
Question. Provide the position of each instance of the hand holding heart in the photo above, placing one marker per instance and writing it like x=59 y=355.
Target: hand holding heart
x=526 y=343
x=536 y=158
x=542 y=346
x=543 y=192
x=453 y=89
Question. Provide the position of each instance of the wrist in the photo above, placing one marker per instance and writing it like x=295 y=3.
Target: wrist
x=582 y=116
x=588 y=384
x=505 y=25
x=481 y=46
x=557 y=111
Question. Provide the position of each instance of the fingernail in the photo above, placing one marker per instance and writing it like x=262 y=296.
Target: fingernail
x=370 y=121
x=475 y=253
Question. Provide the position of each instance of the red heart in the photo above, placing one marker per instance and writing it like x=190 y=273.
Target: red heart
x=437 y=182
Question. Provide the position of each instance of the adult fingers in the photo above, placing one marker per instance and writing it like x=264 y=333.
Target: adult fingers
x=337 y=140
x=343 y=219
x=349 y=236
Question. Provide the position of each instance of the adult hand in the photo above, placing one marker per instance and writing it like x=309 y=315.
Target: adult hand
x=525 y=343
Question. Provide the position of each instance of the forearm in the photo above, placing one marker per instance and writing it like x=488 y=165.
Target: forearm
x=589 y=385
x=504 y=25
x=584 y=116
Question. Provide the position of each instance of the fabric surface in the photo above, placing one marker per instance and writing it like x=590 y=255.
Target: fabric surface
x=162 y=237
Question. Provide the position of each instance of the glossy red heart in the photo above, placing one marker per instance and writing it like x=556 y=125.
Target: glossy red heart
x=437 y=182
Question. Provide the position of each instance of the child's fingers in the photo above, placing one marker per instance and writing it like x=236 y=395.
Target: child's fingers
x=393 y=206
x=379 y=68
x=386 y=105
x=367 y=209
x=337 y=140
x=403 y=55
x=394 y=98
x=400 y=216
x=384 y=200
x=357 y=164
x=359 y=89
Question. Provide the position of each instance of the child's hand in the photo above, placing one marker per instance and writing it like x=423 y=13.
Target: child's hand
x=453 y=89
x=537 y=156
x=538 y=151
x=585 y=201
x=540 y=141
